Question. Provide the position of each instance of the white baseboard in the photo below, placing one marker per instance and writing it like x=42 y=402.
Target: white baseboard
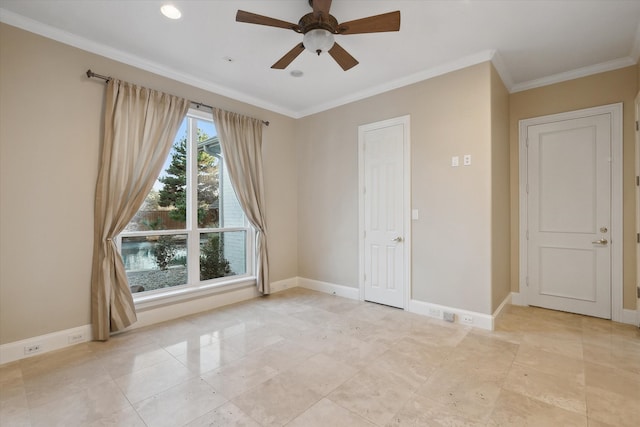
x=478 y=320
x=329 y=288
x=193 y=306
x=630 y=317
x=507 y=300
x=57 y=340
x=13 y=351
x=518 y=298
x=282 y=285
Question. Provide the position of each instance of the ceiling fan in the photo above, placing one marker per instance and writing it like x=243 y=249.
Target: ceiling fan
x=319 y=27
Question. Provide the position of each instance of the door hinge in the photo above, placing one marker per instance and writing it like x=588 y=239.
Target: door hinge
x=637 y=126
x=637 y=181
x=527 y=234
x=527 y=188
x=637 y=237
x=526 y=281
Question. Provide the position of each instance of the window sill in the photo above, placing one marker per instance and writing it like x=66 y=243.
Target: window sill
x=173 y=296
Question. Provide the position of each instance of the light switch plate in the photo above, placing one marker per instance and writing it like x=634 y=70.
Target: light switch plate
x=455 y=161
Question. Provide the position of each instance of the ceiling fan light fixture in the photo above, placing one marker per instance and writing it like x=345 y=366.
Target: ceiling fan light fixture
x=318 y=40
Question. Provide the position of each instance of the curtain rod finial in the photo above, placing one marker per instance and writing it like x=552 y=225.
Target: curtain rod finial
x=91 y=74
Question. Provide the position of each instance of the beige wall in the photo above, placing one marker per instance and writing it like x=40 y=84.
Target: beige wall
x=600 y=89
x=50 y=115
x=450 y=115
x=500 y=208
x=49 y=144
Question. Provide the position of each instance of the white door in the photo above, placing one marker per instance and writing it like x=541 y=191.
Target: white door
x=384 y=196
x=569 y=215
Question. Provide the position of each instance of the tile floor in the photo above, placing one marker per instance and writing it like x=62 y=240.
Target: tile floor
x=303 y=358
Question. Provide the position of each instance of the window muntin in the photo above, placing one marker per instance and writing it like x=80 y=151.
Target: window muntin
x=191 y=230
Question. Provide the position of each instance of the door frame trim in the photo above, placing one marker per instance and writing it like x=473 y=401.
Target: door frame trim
x=615 y=110
x=405 y=121
x=637 y=188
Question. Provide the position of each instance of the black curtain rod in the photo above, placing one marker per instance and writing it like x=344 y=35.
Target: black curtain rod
x=91 y=74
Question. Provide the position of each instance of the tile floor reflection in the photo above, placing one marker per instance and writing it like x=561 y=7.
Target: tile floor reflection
x=303 y=358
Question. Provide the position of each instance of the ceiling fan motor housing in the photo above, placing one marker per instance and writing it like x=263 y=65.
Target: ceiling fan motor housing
x=311 y=22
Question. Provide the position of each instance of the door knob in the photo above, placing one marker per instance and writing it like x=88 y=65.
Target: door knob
x=602 y=242
x=397 y=239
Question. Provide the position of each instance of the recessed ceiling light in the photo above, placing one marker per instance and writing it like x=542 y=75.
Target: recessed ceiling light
x=228 y=59
x=170 y=11
x=296 y=73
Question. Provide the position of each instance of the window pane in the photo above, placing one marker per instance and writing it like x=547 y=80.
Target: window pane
x=231 y=214
x=165 y=205
x=209 y=163
x=222 y=254
x=154 y=262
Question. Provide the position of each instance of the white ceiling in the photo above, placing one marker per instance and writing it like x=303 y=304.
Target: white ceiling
x=531 y=42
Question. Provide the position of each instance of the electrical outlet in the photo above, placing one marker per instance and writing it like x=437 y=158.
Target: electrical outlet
x=449 y=317
x=31 y=349
x=467 y=319
x=76 y=338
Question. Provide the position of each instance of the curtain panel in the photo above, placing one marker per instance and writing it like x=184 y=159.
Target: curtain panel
x=241 y=142
x=140 y=125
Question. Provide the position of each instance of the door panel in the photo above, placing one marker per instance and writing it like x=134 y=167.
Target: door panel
x=569 y=176
x=561 y=268
x=567 y=187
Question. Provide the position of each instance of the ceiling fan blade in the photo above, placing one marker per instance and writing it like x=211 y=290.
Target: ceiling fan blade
x=321 y=6
x=342 y=57
x=252 y=18
x=373 y=24
x=288 y=57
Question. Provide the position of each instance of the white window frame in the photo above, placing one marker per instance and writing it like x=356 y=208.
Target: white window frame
x=195 y=288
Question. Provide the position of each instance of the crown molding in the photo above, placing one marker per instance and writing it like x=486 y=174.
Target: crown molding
x=82 y=43
x=502 y=70
x=575 y=74
x=492 y=55
x=430 y=73
x=635 y=50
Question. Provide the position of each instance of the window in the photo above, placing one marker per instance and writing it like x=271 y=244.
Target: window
x=190 y=231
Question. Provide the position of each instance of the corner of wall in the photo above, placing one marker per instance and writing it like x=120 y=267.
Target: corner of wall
x=500 y=191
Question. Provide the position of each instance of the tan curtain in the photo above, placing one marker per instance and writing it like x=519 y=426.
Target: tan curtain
x=140 y=125
x=241 y=142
